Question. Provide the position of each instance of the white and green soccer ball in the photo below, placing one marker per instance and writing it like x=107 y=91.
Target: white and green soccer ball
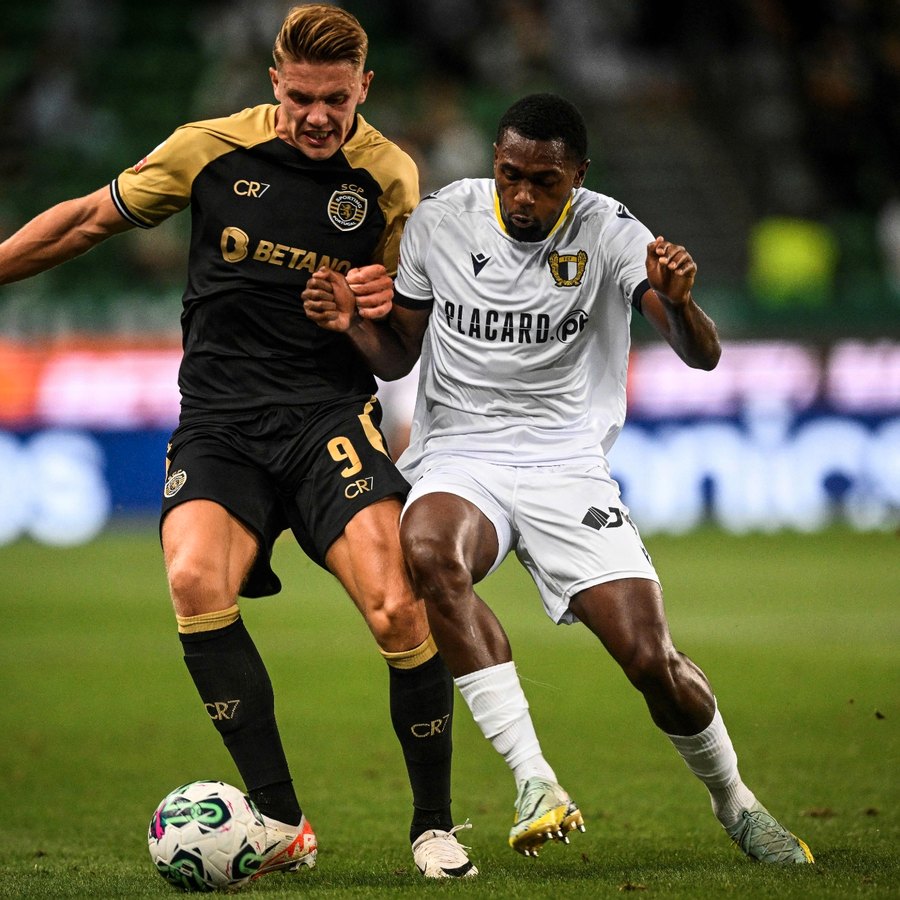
x=205 y=836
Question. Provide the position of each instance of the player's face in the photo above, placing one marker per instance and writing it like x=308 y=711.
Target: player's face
x=318 y=104
x=534 y=181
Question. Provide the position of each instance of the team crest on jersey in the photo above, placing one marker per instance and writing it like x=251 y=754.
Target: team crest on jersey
x=174 y=483
x=347 y=209
x=567 y=269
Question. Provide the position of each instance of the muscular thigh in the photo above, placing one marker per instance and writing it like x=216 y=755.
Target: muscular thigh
x=208 y=553
x=575 y=532
x=341 y=468
x=213 y=466
x=433 y=505
x=626 y=614
x=211 y=463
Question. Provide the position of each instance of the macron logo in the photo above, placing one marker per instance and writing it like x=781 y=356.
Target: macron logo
x=479 y=261
x=623 y=213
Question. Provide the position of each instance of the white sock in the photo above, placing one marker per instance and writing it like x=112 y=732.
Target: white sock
x=498 y=705
x=711 y=757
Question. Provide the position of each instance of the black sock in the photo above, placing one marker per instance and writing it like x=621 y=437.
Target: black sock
x=278 y=801
x=422 y=715
x=235 y=688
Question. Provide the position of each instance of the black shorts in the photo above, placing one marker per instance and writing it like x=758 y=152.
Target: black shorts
x=307 y=468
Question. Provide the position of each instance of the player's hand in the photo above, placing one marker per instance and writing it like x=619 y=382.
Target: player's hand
x=671 y=270
x=373 y=289
x=328 y=300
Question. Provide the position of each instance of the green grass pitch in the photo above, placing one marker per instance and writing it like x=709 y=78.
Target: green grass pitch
x=798 y=634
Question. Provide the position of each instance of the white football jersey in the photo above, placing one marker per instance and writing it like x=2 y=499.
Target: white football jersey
x=525 y=358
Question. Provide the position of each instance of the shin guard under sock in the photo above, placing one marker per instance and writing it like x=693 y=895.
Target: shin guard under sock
x=235 y=689
x=421 y=697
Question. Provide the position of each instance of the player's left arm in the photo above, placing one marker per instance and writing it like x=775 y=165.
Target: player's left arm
x=671 y=309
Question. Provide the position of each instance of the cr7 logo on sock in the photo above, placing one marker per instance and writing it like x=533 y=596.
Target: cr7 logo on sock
x=222 y=709
x=430 y=729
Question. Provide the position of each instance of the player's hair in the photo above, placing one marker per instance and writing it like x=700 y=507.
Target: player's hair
x=547 y=117
x=318 y=33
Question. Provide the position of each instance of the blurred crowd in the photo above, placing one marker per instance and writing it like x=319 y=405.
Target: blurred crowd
x=800 y=106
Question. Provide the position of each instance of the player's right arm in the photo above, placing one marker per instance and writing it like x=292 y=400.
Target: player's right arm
x=59 y=234
x=390 y=346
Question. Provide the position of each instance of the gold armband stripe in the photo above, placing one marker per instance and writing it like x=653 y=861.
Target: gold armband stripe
x=210 y=621
x=410 y=659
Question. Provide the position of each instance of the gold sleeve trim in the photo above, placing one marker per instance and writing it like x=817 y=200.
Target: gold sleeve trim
x=410 y=659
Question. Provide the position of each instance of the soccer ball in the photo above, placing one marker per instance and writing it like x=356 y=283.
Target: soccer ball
x=207 y=835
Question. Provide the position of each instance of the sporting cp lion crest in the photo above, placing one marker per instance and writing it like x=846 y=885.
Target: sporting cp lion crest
x=567 y=269
x=347 y=209
x=174 y=483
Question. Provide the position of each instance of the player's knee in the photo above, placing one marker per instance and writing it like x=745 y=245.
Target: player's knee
x=436 y=569
x=193 y=586
x=394 y=618
x=652 y=667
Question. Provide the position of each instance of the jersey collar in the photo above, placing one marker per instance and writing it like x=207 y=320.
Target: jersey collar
x=559 y=221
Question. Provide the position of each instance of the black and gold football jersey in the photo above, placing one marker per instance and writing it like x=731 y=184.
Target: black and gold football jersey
x=264 y=218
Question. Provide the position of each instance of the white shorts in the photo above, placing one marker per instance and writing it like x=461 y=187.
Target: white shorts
x=566 y=523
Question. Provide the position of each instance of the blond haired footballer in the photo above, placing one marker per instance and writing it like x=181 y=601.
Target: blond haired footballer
x=279 y=422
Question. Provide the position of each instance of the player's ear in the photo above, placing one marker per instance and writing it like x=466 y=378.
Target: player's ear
x=581 y=171
x=365 y=81
x=273 y=76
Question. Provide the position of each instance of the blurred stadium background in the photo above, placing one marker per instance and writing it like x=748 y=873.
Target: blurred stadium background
x=765 y=139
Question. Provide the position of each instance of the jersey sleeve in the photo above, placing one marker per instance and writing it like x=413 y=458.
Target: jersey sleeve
x=397 y=202
x=160 y=184
x=412 y=280
x=626 y=240
x=397 y=176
